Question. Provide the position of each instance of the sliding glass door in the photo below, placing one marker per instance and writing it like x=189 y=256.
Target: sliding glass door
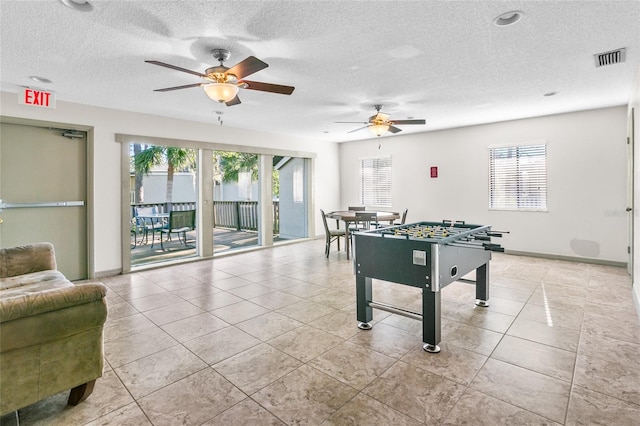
x=290 y=198
x=163 y=203
x=233 y=199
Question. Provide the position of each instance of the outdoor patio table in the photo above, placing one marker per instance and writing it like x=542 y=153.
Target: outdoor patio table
x=152 y=219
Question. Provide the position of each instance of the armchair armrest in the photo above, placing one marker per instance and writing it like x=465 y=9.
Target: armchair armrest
x=27 y=259
x=39 y=302
x=39 y=317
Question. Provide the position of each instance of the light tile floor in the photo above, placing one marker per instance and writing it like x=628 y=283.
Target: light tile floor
x=270 y=338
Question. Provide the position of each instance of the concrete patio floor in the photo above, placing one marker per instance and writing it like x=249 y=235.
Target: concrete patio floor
x=224 y=240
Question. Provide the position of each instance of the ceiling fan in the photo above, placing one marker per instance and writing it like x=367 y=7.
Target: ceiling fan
x=380 y=123
x=222 y=83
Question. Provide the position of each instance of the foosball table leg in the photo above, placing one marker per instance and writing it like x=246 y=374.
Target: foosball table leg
x=482 y=285
x=364 y=296
x=431 y=320
x=434 y=349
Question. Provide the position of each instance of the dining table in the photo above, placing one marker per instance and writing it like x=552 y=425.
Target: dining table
x=349 y=216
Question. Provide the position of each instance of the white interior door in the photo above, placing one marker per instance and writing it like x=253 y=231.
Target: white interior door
x=43 y=188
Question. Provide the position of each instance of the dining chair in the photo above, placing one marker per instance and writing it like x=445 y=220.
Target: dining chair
x=404 y=218
x=331 y=235
x=357 y=209
x=364 y=221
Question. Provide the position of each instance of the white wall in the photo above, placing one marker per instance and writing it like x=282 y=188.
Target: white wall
x=634 y=105
x=106 y=160
x=154 y=187
x=586 y=181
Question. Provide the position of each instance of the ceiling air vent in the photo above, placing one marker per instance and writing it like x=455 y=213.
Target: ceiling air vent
x=610 y=58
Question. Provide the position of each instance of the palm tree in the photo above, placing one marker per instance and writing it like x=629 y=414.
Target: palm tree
x=230 y=164
x=175 y=158
x=139 y=195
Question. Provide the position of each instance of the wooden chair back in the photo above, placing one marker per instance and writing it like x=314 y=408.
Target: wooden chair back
x=365 y=220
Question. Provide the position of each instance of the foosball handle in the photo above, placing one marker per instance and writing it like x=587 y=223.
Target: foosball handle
x=451 y=222
x=493 y=247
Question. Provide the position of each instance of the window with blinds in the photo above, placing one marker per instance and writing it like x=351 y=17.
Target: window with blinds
x=375 y=182
x=518 y=178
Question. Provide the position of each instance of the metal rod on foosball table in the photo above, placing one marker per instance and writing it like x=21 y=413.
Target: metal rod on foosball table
x=395 y=310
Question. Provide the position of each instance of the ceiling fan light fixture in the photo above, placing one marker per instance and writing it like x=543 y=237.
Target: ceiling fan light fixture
x=379 y=129
x=221 y=92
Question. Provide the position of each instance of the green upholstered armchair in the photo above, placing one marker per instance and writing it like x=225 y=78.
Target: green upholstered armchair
x=50 y=329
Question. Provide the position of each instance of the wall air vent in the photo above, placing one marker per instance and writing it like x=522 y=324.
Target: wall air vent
x=610 y=58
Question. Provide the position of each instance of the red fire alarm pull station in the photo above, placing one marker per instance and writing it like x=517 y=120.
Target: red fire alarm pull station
x=434 y=171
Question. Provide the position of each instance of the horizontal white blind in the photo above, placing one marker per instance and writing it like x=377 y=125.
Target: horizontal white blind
x=375 y=181
x=518 y=177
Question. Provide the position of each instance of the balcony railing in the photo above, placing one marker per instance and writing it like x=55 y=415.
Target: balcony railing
x=238 y=215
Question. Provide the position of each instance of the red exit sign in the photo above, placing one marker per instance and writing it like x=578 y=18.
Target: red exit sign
x=36 y=97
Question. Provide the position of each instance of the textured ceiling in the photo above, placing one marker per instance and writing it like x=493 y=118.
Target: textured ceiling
x=443 y=61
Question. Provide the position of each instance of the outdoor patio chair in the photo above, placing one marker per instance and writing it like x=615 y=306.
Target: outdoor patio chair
x=331 y=235
x=179 y=223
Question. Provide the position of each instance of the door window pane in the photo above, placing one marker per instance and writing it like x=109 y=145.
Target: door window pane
x=162 y=182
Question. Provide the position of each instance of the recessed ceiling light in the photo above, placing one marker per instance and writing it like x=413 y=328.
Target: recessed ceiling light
x=80 y=5
x=550 y=93
x=40 y=79
x=508 y=18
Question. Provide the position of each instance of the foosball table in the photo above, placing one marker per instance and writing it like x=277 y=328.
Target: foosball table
x=427 y=255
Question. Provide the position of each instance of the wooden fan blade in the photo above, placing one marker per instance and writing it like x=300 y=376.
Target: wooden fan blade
x=234 y=101
x=268 y=87
x=394 y=129
x=186 y=86
x=407 y=122
x=247 y=67
x=359 y=128
x=173 y=67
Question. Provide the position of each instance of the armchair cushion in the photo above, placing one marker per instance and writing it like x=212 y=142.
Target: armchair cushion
x=26 y=259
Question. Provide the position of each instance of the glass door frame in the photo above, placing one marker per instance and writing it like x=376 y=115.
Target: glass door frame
x=205 y=191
